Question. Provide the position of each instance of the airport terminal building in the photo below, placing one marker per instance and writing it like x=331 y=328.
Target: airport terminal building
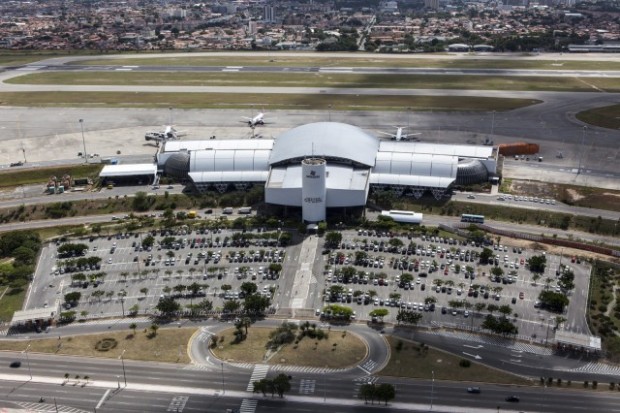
x=326 y=165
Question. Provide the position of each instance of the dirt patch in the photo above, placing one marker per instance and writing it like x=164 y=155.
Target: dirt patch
x=574 y=195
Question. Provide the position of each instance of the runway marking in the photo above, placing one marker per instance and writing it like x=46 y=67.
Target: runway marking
x=105 y=395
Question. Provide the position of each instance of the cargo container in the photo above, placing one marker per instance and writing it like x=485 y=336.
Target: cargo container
x=518 y=148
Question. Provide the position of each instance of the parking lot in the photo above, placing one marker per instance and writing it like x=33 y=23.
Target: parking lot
x=442 y=278
x=439 y=276
x=131 y=277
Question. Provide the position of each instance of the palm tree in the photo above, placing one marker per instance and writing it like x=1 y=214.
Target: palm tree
x=245 y=322
x=167 y=289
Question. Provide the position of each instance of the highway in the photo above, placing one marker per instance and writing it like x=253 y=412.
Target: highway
x=153 y=388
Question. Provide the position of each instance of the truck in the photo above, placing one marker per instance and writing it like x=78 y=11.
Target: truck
x=227 y=211
x=245 y=210
x=191 y=214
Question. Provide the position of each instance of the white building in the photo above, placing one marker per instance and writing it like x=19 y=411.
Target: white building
x=326 y=165
x=269 y=14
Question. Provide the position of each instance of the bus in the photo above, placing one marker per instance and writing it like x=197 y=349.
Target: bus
x=479 y=219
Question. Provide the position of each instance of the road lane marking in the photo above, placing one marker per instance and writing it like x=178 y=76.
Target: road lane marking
x=105 y=395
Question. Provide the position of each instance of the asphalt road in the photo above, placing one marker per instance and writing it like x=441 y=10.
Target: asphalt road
x=154 y=389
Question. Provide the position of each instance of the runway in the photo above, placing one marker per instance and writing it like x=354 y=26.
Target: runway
x=54 y=134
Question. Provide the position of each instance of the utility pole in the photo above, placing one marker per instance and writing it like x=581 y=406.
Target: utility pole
x=83 y=140
x=123 y=364
x=432 y=387
x=223 y=383
x=28 y=360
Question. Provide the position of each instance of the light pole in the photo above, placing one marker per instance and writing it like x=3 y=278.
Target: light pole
x=28 y=360
x=83 y=140
x=493 y=125
x=223 y=386
x=123 y=364
x=583 y=138
x=432 y=387
x=329 y=112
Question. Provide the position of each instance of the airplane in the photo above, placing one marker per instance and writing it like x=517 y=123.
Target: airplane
x=168 y=134
x=399 y=135
x=255 y=121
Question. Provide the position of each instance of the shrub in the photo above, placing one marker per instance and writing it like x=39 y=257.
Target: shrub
x=464 y=363
x=106 y=344
x=399 y=345
x=585 y=383
x=594 y=384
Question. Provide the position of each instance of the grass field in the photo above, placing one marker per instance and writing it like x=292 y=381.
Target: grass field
x=328 y=80
x=336 y=352
x=413 y=361
x=169 y=345
x=23 y=176
x=605 y=117
x=11 y=301
x=273 y=59
x=267 y=101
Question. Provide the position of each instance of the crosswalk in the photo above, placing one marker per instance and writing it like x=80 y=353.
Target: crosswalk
x=495 y=341
x=306 y=386
x=46 y=407
x=248 y=406
x=293 y=369
x=259 y=373
x=366 y=379
x=368 y=366
x=594 y=367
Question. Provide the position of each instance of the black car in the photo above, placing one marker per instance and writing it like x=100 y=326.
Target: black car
x=15 y=364
x=512 y=399
x=475 y=390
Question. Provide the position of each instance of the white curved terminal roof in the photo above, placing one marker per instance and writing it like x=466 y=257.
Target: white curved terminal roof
x=329 y=139
x=228 y=176
x=404 y=163
x=226 y=160
x=463 y=151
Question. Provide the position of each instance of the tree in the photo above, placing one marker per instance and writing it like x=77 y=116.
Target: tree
x=98 y=294
x=367 y=391
x=408 y=317
x=385 y=392
x=486 y=255
x=167 y=306
x=339 y=311
x=379 y=312
x=282 y=384
x=231 y=306
x=248 y=288
x=256 y=304
x=567 y=280
x=133 y=327
x=261 y=386
x=553 y=301
x=144 y=291
x=537 y=263
x=73 y=298
x=154 y=327
x=141 y=202
x=333 y=239
x=244 y=322
x=497 y=271
x=505 y=309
